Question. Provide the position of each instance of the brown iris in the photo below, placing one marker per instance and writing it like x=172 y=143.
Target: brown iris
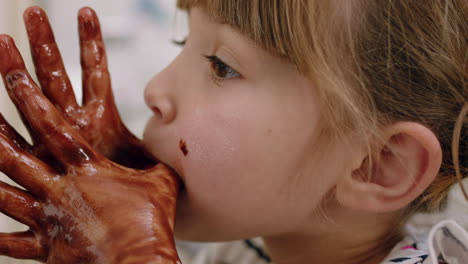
x=221 y=69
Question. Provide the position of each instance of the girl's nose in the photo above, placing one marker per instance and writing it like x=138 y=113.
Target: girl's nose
x=160 y=100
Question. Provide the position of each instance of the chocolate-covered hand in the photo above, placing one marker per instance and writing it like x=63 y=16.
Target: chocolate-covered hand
x=97 y=120
x=91 y=210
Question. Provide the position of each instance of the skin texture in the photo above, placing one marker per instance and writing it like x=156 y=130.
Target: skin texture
x=93 y=193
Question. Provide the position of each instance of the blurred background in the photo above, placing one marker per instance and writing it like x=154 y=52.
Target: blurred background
x=138 y=36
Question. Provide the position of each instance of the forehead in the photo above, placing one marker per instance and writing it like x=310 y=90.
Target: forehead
x=280 y=27
x=222 y=12
x=263 y=21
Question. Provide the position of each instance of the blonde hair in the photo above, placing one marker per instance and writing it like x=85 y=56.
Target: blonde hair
x=375 y=62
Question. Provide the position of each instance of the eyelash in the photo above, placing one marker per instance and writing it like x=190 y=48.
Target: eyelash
x=215 y=64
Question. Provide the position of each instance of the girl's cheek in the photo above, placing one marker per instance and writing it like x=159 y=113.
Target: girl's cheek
x=227 y=156
x=210 y=144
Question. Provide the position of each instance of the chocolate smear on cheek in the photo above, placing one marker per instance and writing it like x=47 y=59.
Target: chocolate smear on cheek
x=183 y=147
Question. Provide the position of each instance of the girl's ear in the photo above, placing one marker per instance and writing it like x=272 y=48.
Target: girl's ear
x=408 y=162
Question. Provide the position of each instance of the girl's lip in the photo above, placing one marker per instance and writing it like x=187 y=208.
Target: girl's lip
x=180 y=177
x=175 y=166
x=177 y=173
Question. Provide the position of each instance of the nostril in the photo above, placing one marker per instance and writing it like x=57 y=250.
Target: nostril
x=157 y=111
x=163 y=108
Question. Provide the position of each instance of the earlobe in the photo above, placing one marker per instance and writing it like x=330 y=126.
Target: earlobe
x=405 y=165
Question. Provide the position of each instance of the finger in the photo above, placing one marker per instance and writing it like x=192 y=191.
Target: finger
x=19 y=205
x=12 y=134
x=49 y=126
x=65 y=144
x=20 y=245
x=96 y=78
x=47 y=59
x=25 y=169
x=9 y=61
x=38 y=150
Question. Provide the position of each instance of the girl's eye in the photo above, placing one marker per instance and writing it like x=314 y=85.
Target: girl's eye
x=220 y=69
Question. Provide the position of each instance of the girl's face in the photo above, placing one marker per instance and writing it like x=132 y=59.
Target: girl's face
x=241 y=128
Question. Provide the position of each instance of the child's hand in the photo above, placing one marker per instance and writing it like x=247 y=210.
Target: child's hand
x=82 y=208
x=97 y=120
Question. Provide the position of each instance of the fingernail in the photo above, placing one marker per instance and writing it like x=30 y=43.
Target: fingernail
x=33 y=17
x=88 y=25
x=5 y=41
x=16 y=77
x=34 y=12
x=90 y=29
x=5 y=53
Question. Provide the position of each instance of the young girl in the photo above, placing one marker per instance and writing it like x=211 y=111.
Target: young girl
x=319 y=126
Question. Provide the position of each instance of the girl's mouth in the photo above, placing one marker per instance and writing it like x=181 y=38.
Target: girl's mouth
x=179 y=177
x=181 y=187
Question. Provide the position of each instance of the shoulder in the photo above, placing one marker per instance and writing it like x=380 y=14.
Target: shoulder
x=447 y=242
x=237 y=252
